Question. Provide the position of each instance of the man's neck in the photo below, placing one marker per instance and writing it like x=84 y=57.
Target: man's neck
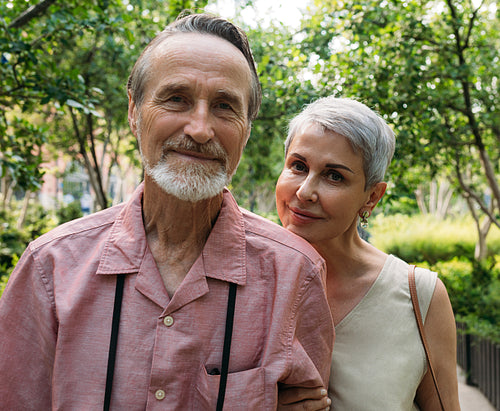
x=176 y=231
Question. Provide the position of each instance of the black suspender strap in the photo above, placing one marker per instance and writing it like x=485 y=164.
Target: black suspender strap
x=227 y=345
x=114 y=339
x=120 y=279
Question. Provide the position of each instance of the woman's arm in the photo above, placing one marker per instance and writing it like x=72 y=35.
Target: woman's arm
x=441 y=337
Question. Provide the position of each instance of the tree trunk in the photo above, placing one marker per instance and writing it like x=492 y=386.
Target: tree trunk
x=102 y=199
x=95 y=178
x=481 y=250
x=419 y=195
x=24 y=210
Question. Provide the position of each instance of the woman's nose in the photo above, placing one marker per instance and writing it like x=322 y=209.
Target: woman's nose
x=308 y=191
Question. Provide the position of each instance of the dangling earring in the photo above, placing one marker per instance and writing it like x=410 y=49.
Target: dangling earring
x=364 y=219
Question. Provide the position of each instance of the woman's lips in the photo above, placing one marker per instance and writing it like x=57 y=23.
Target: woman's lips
x=303 y=216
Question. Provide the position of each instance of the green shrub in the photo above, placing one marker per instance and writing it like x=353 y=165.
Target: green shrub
x=474 y=290
x=6 y=270
x=3 y=284
x=425 y=238
x=13 y=241
x=69 y=212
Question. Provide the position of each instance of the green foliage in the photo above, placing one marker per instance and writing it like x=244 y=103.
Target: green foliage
x=4 y=278
x=474 y=290
x=21 y=153
x=426 y=238
x=13 y=241
x=66 y=68
x=431 y=69
x=69 y=212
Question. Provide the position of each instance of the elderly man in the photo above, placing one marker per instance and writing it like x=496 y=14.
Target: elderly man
x=177 y=299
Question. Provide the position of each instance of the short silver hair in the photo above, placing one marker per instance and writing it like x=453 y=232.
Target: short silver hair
x=201 y=24
x=367 y=132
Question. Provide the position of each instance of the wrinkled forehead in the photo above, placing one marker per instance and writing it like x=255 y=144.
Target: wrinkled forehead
x=202 y=43
x=205 y=53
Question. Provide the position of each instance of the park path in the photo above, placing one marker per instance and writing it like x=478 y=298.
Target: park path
x=471 y=399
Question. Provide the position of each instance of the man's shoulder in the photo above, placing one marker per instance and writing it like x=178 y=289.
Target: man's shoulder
x=96 y=221
x=277 y=236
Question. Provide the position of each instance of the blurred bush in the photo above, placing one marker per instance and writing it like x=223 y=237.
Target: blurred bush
x=425 y=238
x=13 y=241
x=69 y=212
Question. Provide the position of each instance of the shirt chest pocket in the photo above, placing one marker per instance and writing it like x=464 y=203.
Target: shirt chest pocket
x=245 y=390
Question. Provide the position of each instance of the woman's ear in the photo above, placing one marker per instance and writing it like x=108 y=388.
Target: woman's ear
x=376 y=193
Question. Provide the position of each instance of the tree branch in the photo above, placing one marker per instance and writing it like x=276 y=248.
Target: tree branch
x=31 y=13
x=470 y=193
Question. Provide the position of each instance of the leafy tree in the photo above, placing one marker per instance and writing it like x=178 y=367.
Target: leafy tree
x=431 y=68
x=67 y=62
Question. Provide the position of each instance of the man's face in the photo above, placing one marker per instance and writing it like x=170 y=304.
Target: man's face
x=193 y=124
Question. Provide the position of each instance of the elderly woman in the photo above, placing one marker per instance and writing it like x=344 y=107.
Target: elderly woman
x=337 y=152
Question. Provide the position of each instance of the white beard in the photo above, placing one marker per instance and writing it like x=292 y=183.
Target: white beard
x=190 y=182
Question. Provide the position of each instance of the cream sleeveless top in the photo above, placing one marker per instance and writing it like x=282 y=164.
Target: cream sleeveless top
x=378 y=358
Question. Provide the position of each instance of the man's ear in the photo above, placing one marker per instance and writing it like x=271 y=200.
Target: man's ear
x=249 y=131
x=132 y=114
x=376 y=193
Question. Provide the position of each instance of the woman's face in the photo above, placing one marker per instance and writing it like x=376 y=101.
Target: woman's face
x=321 y=189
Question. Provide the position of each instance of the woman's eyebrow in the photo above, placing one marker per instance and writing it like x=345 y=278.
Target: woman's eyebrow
x=327 y=165
x=335 y=165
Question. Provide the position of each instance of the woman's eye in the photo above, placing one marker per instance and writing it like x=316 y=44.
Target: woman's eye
x=334 y=176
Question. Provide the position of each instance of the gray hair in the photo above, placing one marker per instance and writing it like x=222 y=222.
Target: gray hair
x=202 y=24
x=366 y=131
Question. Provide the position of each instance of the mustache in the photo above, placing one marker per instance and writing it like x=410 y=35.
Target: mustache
x=210 y=148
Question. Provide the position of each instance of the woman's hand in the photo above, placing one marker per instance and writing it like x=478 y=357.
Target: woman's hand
x=299 y=399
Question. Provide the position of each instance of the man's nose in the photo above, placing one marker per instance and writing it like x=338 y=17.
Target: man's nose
x=199 y=126
x=308 y=190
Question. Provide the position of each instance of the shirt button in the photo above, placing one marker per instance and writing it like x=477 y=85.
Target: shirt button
x=160 y=395
x=168 y=321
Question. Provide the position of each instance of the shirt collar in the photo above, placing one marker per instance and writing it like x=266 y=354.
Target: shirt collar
x=223 y=255
x=126 y=243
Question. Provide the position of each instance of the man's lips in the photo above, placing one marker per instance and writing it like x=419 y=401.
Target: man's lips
x=195 y=154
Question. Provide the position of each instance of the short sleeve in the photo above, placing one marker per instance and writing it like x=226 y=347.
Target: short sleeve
x=28 y=338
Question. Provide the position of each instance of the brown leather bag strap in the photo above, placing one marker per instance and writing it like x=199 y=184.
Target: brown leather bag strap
x=418 y=315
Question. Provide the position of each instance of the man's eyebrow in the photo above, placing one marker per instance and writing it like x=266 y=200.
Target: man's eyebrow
x=234 y=99
x=327 y=165
x=171 y=89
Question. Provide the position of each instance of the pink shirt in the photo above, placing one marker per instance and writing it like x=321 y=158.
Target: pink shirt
x=56 y=313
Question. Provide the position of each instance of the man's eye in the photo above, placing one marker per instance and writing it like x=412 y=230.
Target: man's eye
x=298 y=166
x=224 y=106
x=176 y=99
